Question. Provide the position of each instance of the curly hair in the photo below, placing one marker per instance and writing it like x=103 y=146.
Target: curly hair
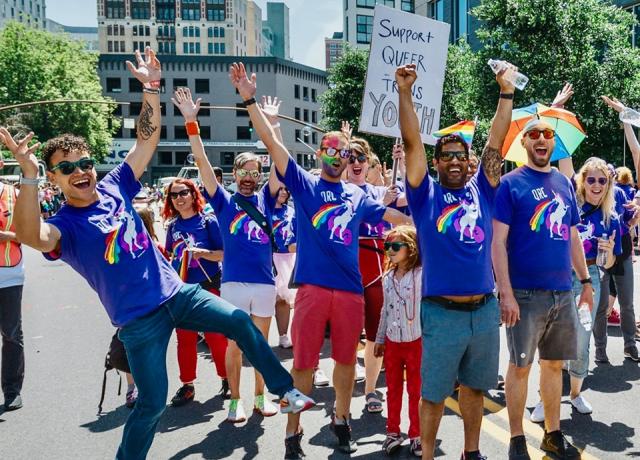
x=169 y=211
x=67 y=143
x=406 y=234
x=624 y=176
x=450 y=139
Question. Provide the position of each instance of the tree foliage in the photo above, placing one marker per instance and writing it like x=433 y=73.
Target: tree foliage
x=36 y=65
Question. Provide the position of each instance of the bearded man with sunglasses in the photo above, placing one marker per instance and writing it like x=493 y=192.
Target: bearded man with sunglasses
x=460 y=317
x=536 y=244
x=100 y=235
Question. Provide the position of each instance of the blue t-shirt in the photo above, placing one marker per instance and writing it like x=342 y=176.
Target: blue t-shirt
x=625 y=215
x=283 y=223
x=378 y=229
x=591 y=227
x=454 y=228
x=628 y=190
x=108 y=245
x=199 y=231
x=329 y=215
x=247 y=249
x=540 y=209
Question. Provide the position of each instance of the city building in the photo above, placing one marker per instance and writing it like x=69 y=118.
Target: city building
x=225 y=132
x=29 y=12
x=278 y=25
x=633 y=7
x=333 y=49
x=181 y=27
x=87 y=35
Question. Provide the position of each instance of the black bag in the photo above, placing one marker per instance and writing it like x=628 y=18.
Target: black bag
x=116 y=358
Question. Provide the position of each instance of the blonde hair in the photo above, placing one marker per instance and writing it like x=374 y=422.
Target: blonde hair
x=147 y=219
x=624 y=176
x=363 y=146
x=406 y=234
x=607 y=203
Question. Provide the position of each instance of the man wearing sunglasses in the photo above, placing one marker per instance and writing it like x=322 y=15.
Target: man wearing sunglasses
x=100 y=235
x=536 y=244
x=453 y=217
x=329 y=213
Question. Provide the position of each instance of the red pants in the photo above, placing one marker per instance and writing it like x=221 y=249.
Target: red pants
x=188 y=356
x=399 y=356
x=371 y=260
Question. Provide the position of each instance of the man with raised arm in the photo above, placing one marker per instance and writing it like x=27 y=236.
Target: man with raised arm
x=99 y=234
x=329 y=212
x=460 y=315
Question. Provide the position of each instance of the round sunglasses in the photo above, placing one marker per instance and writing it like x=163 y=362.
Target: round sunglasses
x=600 y=180
x=344 y=153
x=67 y=167
x=362 y=158
x=244 y=172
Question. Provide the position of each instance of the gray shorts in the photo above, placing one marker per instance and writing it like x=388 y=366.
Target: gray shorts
x=548 y=322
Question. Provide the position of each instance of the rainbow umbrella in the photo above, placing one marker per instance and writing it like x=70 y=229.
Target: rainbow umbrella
x=464 y=129
x=569 y=132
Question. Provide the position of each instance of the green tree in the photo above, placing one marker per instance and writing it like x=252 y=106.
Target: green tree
x=36 y=65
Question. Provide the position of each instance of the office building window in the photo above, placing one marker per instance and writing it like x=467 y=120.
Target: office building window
x=243 y=133
x=314 y=95
x=205 y=132
x=135 y=86
x=364 y=27
x=227 y=158
x=305 y=93
x=391 y=3
x=114 y=85
x=165 y=158
x=216 y=10
x=297 y=135
x=408 y=5
x=297 y=113
x=202 y=85
x=115 y=9
x=314 y=117
x=165 y=10
x=296 y=91
x=191 y=10
x=305 y=115
x=140 y=9
x=180 y=132
x=177 y=82
x=135 y=108
x=366 y=3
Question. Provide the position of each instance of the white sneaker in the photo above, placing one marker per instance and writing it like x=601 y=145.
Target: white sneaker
x=285 y=342
x=320 y=379
x=236 y=412
x=537 y=416
x=294 y=401
x=265 y=407
x=582 y=405
x=360 y=373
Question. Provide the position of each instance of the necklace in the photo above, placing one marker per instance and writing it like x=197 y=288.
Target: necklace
x=404 y=302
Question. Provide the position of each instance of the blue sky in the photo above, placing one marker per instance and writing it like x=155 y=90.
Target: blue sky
x=308 y=24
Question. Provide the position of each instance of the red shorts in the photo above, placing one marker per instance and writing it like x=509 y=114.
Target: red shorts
x=315 y=306
x=371 y=259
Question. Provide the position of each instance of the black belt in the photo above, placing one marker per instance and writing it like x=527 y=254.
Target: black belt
x=459 y=306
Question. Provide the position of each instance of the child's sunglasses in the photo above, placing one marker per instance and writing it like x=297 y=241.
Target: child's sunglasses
x=394 y=246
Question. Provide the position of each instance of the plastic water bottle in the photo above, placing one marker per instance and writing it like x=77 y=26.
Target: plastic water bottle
x=584 y=315
x=601 y=259
x=630 y=116
x=519 y=80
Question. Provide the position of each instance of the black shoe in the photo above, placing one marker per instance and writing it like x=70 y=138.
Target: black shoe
x=632 y=353
x=12 y=402
x=475 y=455
x=292 y=449
x=555 y=443
x=518 y=448
x=225 y=391
x=184 y=394
x=343 y=432
x=601 y=356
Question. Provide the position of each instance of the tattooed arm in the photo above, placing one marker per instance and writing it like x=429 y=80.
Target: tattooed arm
x=491 y=156
x=148 y=126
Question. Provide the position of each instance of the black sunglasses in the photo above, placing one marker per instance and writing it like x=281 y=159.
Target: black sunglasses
x=182 y=193
x=362 y=158
x=67 y=167
x=600 y=180
x=395 y=246
x=461 y=155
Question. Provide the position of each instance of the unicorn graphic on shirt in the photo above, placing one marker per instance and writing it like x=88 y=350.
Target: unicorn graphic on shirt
x=463 y=217
x=337 y=217
x=585 y=231
x=286 y=230
x=243 y=224
x=341 y=222
x=469 y=219
x=124 y=237
x=551 y=213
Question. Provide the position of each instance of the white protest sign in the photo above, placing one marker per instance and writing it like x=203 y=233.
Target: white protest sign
x=401 y=38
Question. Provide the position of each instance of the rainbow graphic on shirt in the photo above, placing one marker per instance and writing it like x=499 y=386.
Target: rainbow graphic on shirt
x=124 y=237
x=277 y=224
x=323 y=214
x=112 y=253
x=238 y=222
x=540 y=215
x=179 y=252
x=447 y=217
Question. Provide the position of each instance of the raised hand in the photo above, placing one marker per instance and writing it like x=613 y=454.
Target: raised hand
x=271 y=108
x=24 y=155
x=406 y=76
x=239 y=78
x=563 y=96
x=346 y=129
x=391 y=195
x=148 y=71
x=505 y=85
x=614 y=103
x=183 y=100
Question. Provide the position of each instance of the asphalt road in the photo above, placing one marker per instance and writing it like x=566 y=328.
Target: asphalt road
x=67 y=333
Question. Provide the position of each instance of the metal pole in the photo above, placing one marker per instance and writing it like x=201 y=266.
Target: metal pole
x=59 y=101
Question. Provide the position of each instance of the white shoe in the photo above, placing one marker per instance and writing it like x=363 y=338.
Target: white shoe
x=320 y=379
x=265 y=407
x=582 y=405
x=236 y=412
x=360 y=373
x=537 y=416
x=294 y=401
x=285 y=342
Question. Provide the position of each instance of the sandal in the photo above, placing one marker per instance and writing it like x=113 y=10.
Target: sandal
x=374 y=404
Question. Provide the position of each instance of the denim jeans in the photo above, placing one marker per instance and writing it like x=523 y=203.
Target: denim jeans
x=12 y=340
x=580 y=367
x=146 y=340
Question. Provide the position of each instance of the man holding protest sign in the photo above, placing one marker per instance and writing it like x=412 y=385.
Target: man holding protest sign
x=460 y=321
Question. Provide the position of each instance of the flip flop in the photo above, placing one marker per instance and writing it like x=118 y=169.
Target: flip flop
x=374 y=404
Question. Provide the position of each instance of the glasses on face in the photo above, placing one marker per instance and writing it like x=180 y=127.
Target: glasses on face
x=461 y=155
x=244 y=172
x=600 y=180
x=67 y=167
x=183 y=193
x=535 y=134
x=394 y=246
x=362 y=158
x=344 y=153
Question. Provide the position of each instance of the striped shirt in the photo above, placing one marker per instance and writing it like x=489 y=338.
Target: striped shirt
x=400 y=315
